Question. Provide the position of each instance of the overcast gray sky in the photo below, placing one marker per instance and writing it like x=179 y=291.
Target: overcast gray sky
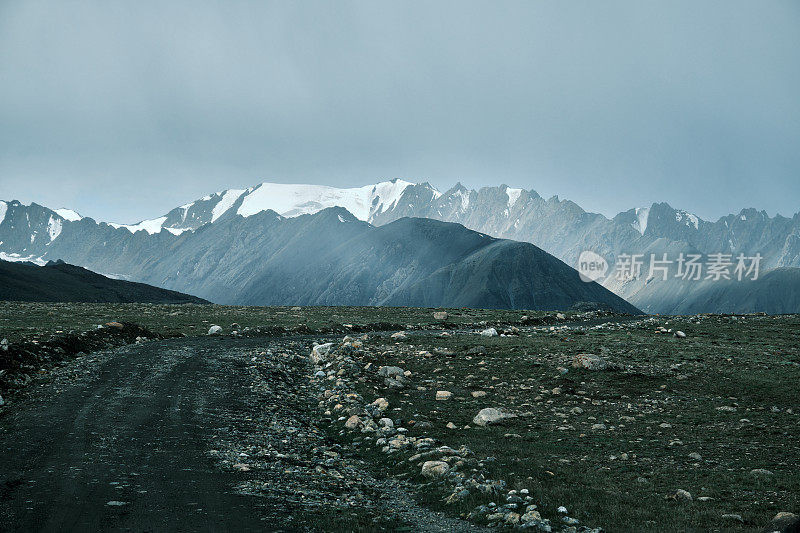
x=123 y=110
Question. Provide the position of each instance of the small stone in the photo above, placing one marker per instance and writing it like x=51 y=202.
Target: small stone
x=598 y=427
x=784 y=522
x=320 y=352
x=381 y=403
x=489 y=332
x=682 y=495
x=761 y=472
x=696 y=456
x=478 y=394
x=435 y=469
x=215 y=330
x=386 y=422
x=490 y=415
x=116 y=503
x=679 y=334
x=443 y=395
x=399 y=335
x=391 y=372
x=450 y=425
x=440 y=315
x=353 y=422
x=733 y=517
x=589 y=362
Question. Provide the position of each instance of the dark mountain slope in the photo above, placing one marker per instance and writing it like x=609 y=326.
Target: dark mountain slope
x=423 y=262
x=60 y=282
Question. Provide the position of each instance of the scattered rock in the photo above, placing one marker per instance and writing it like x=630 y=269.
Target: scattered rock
x=435 y=469
x=115 y=503
x=680 y=334
x=696 y=456
x=391 y=372
x=4 y=345
x=215 y=330
x=491 y=415
x=399 y=335
x=761 y=472
x=440 y=315
x=381 y=403
x=682 y=495
x=733 y=518
x=589 y=362
x=450 y=425
x=443 y=395
x=478 y=394
x=489 y=332
x=353 y=422
x=320 y=353
x=783 y=522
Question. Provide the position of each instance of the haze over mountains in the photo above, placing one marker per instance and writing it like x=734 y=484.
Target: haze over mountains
x=200 y=246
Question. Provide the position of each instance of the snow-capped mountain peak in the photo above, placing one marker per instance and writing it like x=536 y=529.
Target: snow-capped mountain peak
x=291 y=200
x=642 y=215
x=68 y=214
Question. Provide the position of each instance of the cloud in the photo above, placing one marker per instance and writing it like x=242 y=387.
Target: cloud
x=124 y=110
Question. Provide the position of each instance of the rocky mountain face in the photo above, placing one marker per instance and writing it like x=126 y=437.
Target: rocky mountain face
x=560 y=227
x=565 y=230
x=326 y=258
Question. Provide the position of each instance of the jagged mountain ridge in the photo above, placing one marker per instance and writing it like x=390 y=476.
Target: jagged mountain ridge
x=560 y=227
x=327 y=258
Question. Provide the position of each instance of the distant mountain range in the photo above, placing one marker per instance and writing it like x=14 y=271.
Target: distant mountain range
x=325 y=258
x=559 y=227
x=59 y=282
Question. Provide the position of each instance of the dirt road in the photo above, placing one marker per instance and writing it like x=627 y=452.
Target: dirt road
x=195 y=434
